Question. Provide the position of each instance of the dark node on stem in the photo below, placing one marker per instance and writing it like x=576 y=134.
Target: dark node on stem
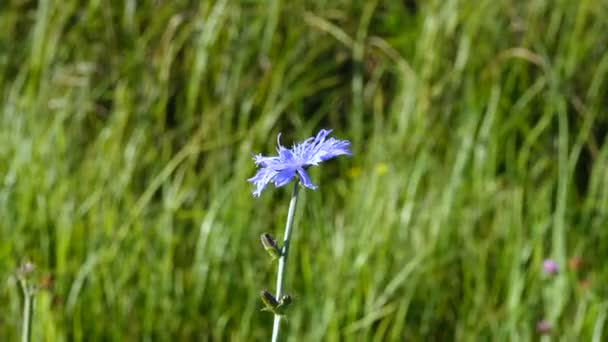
x=285 y=300
x=270 y=302
x=277 y=307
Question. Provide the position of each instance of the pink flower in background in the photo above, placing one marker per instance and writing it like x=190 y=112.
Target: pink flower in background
x=550 y=267
x=543 y=326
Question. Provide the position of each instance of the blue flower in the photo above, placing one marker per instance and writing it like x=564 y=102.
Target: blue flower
x=282 y=168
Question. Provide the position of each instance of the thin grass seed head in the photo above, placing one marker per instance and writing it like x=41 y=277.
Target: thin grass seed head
x=26 y=269
x=280 y=169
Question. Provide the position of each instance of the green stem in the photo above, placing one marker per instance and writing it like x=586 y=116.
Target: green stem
x=283 y=257
x=28 y=298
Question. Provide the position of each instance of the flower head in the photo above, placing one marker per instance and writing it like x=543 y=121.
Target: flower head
x=550 y=267
x=543 y=327
x=282 y=168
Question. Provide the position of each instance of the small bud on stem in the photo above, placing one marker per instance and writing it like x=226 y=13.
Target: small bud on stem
x=270 y=245
x=277 y=307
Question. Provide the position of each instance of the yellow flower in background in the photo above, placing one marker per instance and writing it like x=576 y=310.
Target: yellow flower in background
x=353 y=172
x=381 y=168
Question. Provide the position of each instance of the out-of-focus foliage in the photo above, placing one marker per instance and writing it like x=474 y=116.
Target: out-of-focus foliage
x=479 y=132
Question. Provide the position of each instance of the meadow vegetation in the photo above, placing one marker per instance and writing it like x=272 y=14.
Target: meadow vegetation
x=479 y=137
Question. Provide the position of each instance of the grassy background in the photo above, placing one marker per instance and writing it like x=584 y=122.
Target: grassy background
x=126 y=134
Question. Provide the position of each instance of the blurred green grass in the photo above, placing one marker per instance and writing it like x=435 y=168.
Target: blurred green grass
x=478 y=128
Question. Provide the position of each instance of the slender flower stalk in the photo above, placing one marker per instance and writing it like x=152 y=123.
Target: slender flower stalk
x=26 y=327
x=283 y=258
x=28 y=291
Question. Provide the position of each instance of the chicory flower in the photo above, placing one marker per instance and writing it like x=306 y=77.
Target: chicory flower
x=280 y=169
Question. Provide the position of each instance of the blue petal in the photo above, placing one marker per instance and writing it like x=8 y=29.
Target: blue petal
x=261 y=179
x=283 y=177
x=333 y=148
x=326 y=150
x=321 y=136
x=263 y=161
x=286 y=156
x=305 y=179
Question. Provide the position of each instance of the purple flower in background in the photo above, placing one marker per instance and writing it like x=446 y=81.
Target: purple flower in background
x=543 y=326
x=282 y=168
x=550 y=267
